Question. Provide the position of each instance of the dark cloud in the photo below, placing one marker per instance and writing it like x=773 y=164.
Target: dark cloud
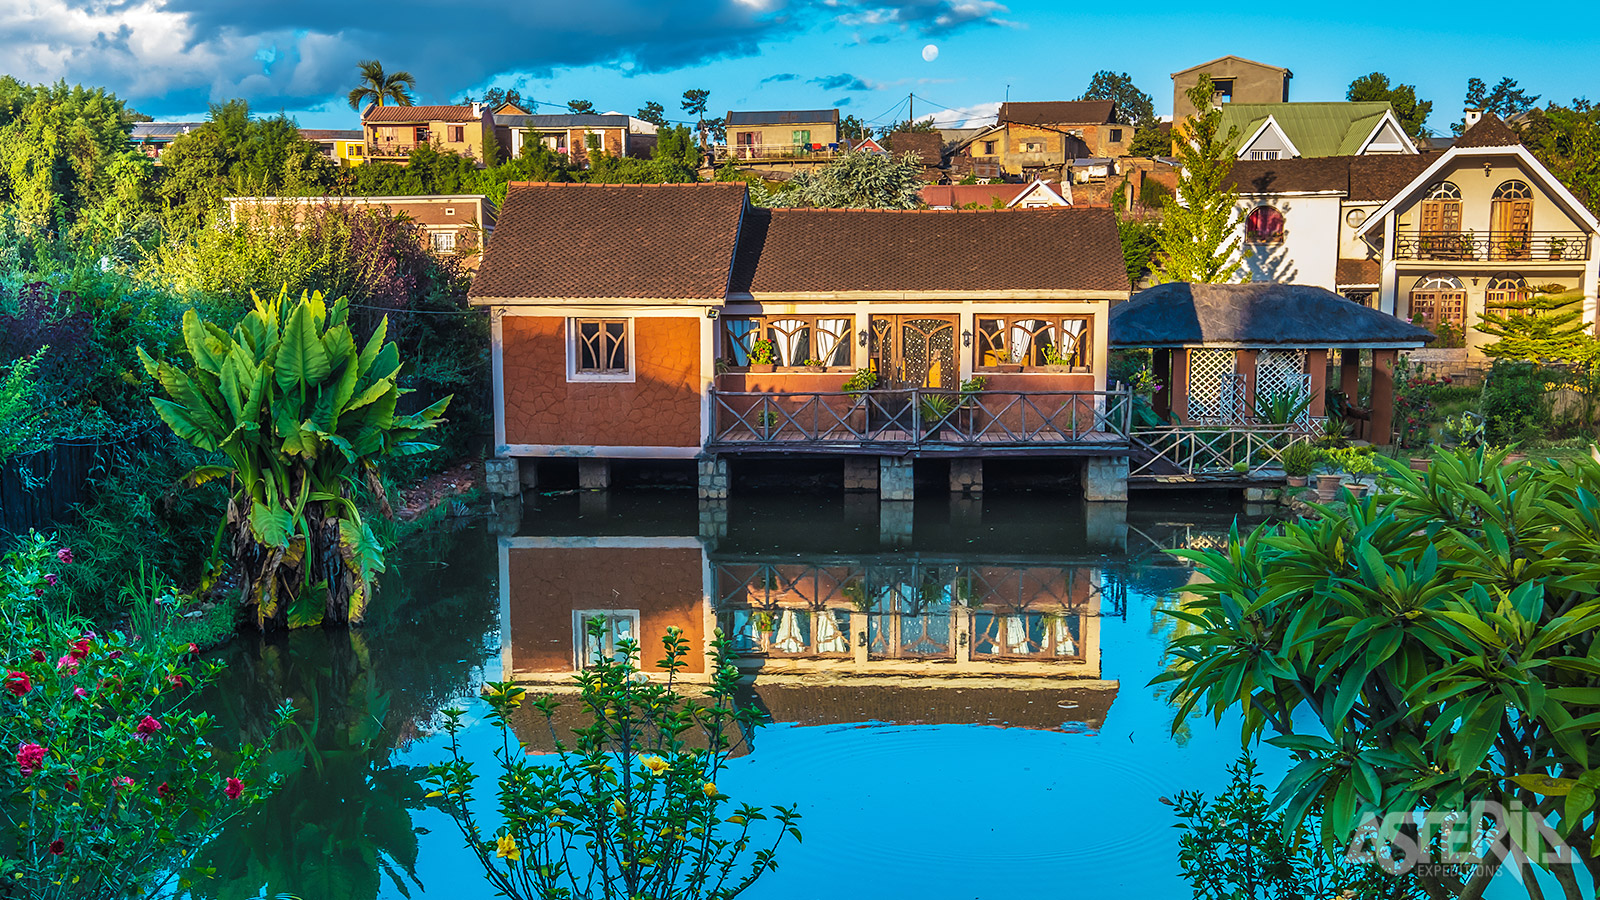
x=844 y=81
x=927 y=16
x=785 y=76
x=842 y=101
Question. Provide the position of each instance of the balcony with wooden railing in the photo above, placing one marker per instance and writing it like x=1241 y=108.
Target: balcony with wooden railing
x=1494 y=246
x=784 y=152
x=928 y=421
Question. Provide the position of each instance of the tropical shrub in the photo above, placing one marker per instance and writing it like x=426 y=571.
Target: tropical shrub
x=19 y=414
x=1515 y=405
x=631 y=807
x=112 y=785
x=1428 y=648
x=1235 y=847
x=862 y=381
x=1299 y=459
x=1281 y=407
x=301 y=417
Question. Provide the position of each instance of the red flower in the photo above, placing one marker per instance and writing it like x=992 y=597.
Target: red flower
x=123 y=782
x=72 y=783
x=163 y=791
x=50 y=579
x=79 y=692
x=38 y=656
x=69 y=663
x=146 y=727
x=233 y=789
x=18 y=683
x=115 y=654
x=29 y=758
x=80 y=648
x=57 y=847
x=177 y=681
x=65 y=555
x=194 y=650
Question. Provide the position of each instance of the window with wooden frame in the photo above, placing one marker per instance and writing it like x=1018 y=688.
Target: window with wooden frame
x=1264 y=225
x=616 y=626
x=1508 y=293
x=458 y=133
x=795 y=339
x=1033 y=341
x=600 y=348
x=1511 y=220
x=1439 y=299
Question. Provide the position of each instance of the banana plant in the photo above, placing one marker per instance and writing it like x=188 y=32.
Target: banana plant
x=302 y=416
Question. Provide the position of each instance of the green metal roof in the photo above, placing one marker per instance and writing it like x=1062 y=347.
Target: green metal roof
x=1315 y=129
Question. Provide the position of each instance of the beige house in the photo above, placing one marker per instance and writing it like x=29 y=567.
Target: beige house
x=1237 y=80
x=392 y=132
x=457 y=225
x=783 y=135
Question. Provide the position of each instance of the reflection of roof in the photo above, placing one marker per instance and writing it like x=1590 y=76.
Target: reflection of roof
x=783 y=117
x=419 y=114
x=662 y=241
x=821 y=250
x=1315 y=129
x=563 y=121
x=1058 y=112
x=1179 y=314
x=147 y=131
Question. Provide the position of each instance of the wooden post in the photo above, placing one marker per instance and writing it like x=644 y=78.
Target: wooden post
x=1178 y=387
x=1161 y=365
x=1244 y=362
x=1382 y=396
x=1350 y=383
x=1317 y=362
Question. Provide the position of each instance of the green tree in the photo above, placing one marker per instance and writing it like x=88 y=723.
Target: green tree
x=634 y=794
x=853 y=129
x=1546 y=327
x=654 y=113
x=378 y=87
x=302 y=418
x=1505 y=100
x=695 y=103
x=1199 y=237
x=1412 y=113
x=1567 y=140
x=1139 y=246
x=494 y=98
x=852 y=181
x=1132 y=106
x=64 y=151
x=1151 y=140
x=921 y=126
x=1428 y=648
x=581 y=108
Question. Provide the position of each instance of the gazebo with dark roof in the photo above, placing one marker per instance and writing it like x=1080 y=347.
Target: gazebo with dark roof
x=1217 y=345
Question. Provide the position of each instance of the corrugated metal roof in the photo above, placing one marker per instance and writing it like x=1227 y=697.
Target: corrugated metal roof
x=145 y=131
x=562 y=121
x=783 y=117
x=1315 y=129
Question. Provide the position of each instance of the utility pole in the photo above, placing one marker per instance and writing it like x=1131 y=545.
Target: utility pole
x=911 y=107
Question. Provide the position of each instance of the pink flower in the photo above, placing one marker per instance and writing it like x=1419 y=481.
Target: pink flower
x=65 y=555
x=79 y=692
x=177 y=681
x=115 y=654
x=38 y=656
x=233 y=789
x=146 y=727
x=80 y=648
x=29 y=758
x=69 y=663
x=18 y=683
x=123 y=782
x=194 y=650
x=50 y=578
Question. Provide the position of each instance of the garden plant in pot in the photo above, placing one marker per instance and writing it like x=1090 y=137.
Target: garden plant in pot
x=1298 y=461
x=1357 y=462
x=761 y=353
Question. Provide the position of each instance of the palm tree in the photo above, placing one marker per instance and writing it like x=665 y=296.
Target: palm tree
x=378 y=86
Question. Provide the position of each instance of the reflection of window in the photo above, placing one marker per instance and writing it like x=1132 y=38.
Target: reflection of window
x=616 y=626
x=1506 y=289
x=1033 y=341
x=795 y=339
x=443 y=241
x=601 y=346
x=1264 y=225
x=1024 y=635
x=782 y=631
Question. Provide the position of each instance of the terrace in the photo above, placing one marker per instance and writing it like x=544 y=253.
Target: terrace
x=1494 y=246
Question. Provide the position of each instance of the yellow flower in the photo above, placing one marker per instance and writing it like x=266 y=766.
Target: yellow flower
x=655 y=764
x=433 y=794
x=710 y=790
x=618 y=807
x=507 y=849
x=557 y=812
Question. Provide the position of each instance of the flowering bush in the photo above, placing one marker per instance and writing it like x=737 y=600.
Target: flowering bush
x=632 y=808
x=107 y=785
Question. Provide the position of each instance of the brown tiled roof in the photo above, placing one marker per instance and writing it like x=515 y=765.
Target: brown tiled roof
x=927 y=145
x=1357 y=271
x=824 y=250
x=959 y=195
x=330 y=134
x=654 y=241
x=1058 y=112
x=419 y=114
x=1489 y=131
x=1377 y=177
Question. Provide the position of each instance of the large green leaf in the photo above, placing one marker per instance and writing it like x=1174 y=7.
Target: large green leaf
x=301 y=358
x=270 y=525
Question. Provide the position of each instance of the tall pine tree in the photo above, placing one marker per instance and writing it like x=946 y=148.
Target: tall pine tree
x=1544 y=328
x=1199 y=239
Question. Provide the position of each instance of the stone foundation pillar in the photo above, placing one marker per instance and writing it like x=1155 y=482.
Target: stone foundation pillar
x=1105 y=527
x=1105 y=479
x=500 y=477
x=594 y=474
x=966 y=510
x=861 y=473
x=966 y=476
x=505 y=515
x=713 y=521
x=894 y=523
x=714 y=482
x=895 y=478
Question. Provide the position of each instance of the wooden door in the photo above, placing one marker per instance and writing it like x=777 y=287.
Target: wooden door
x=1511 y=222
x=915 y=351
x=1441 y=228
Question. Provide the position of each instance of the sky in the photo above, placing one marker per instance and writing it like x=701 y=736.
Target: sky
x=959 y=58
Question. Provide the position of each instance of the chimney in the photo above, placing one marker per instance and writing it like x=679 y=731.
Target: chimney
x=1473 y=114
x=477 y=110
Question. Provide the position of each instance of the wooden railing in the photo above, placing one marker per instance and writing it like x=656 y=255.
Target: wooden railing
x=1511 y=246
x=916 y=418
x=783 y=151
x=1239 y=449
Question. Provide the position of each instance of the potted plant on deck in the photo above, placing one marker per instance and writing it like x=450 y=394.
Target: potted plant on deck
x=857 y=387
x=761 y=352
x=1298 y=461
x=1356 y=462
x=1002 y=361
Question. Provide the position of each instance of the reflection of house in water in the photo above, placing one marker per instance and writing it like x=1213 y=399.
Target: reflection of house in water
x=903 y=637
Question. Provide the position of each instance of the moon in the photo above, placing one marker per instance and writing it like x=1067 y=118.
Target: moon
x=930 y=52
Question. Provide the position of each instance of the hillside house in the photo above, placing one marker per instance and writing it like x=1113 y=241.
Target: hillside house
x=1236 y=80
x=457 y=225
x=392 y=132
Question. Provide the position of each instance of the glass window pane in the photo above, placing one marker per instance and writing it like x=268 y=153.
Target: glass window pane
x=741 y=333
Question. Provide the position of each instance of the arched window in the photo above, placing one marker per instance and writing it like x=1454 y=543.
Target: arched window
x=1511 y=221
x=1441 y=222
x=1507 y=291
x=1443 y=190
x=1513 y=190
x=1439 y=301
x=1264 y=225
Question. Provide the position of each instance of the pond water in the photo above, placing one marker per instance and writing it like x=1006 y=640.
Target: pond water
x=909 y=787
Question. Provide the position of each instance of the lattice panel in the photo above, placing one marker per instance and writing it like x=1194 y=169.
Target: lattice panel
x=1284 y=371
x=1215 y=388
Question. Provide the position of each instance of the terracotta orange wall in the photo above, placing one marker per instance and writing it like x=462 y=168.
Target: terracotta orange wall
x=659 y=408
x=548 y=585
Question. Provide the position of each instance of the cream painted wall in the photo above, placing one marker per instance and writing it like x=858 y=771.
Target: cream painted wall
x=1477 y=193
x=1309 y=252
